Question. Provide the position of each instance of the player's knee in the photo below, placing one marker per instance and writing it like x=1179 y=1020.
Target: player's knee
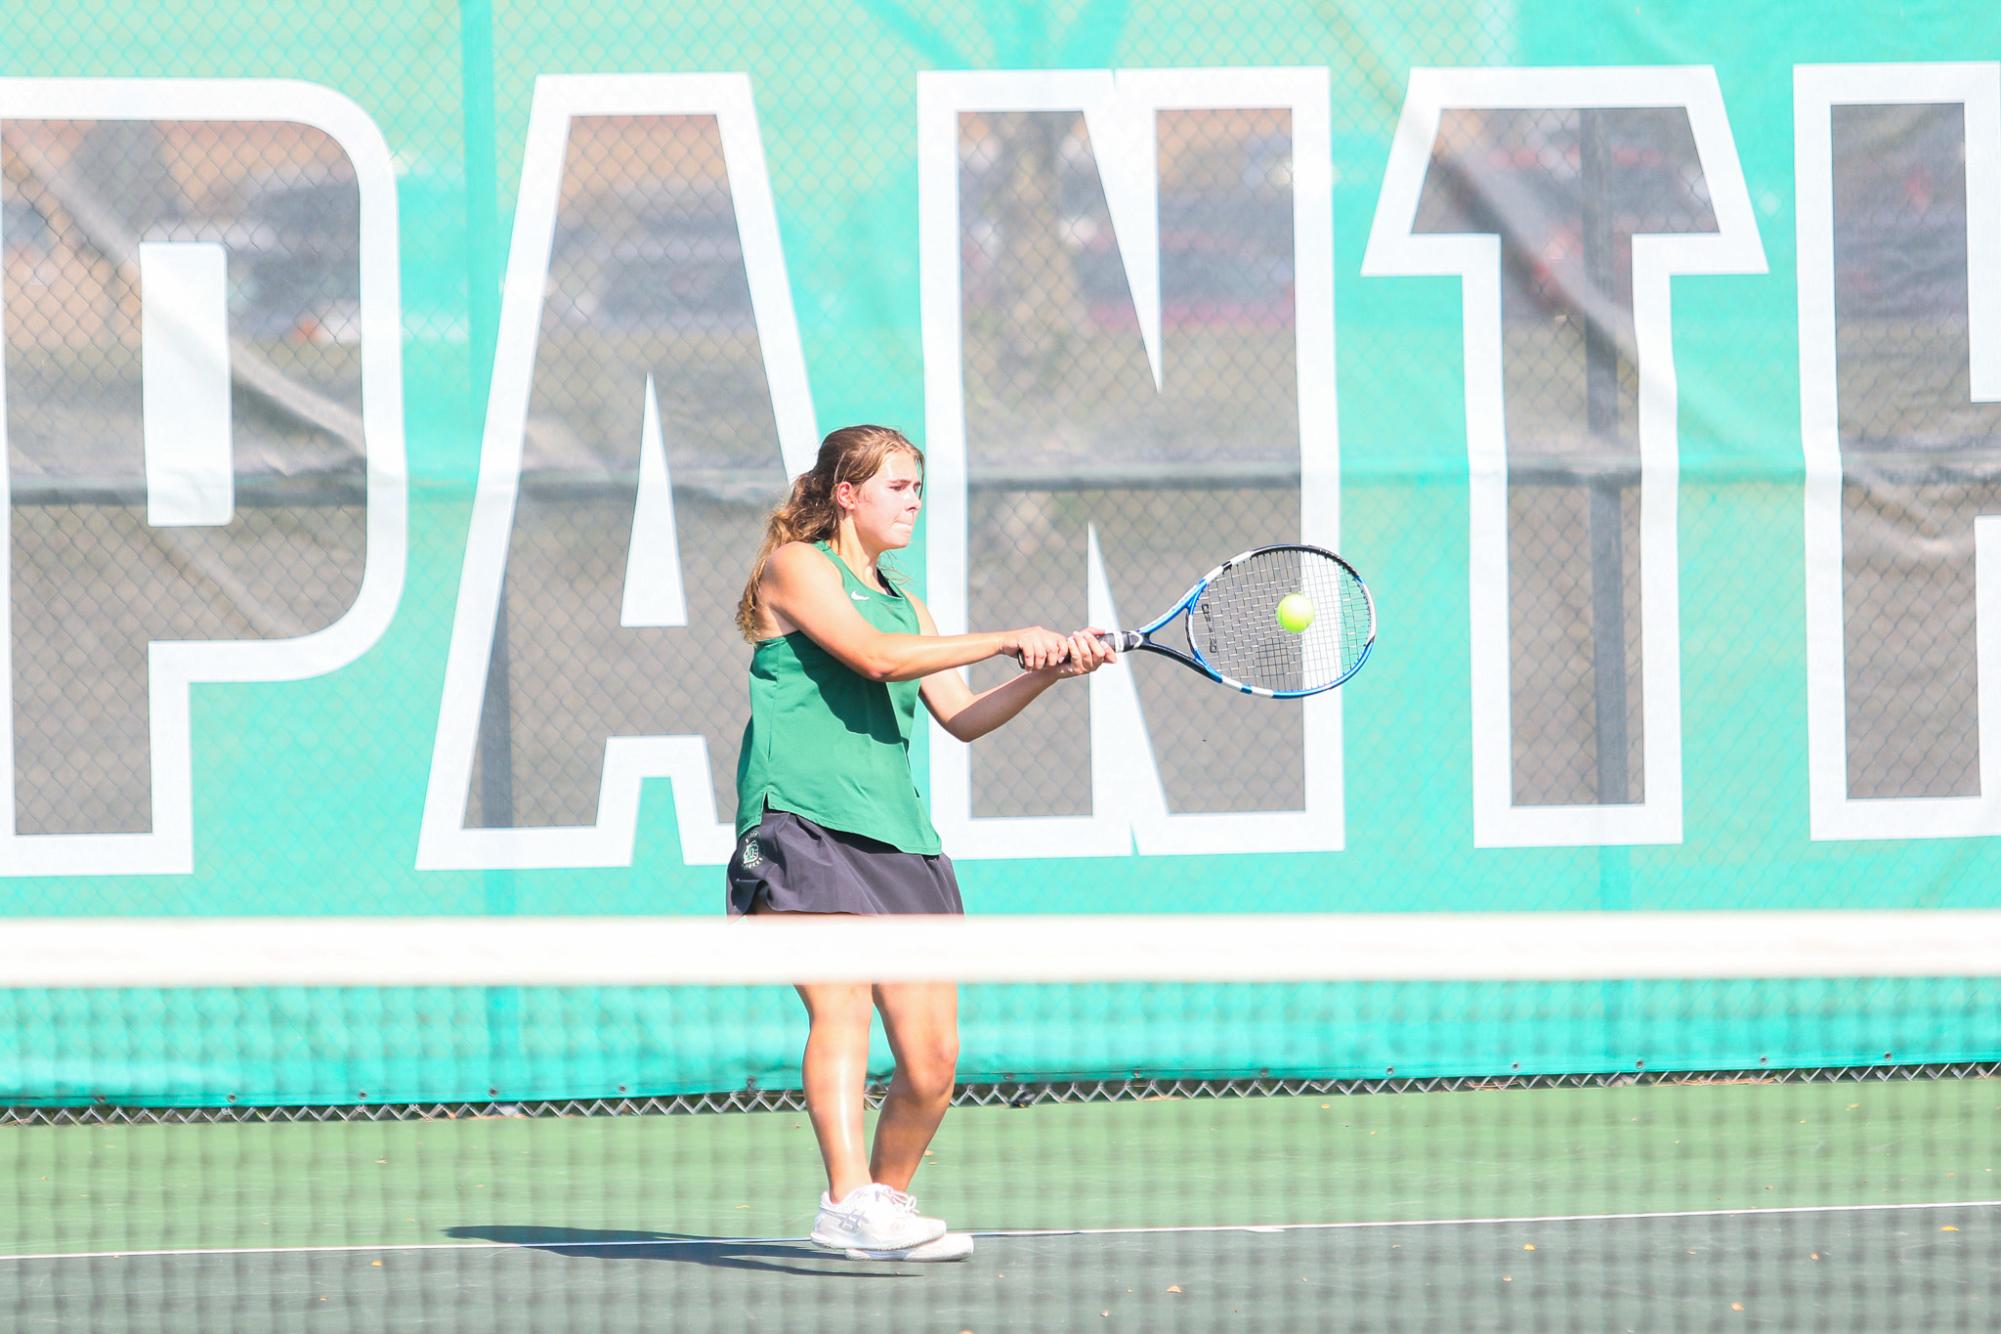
x=838 y=1006
x=932 y=1072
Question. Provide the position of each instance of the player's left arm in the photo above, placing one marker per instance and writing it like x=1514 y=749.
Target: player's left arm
x=968 y=716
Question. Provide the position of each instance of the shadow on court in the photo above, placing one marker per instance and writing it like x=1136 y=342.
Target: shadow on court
x=773 y=1257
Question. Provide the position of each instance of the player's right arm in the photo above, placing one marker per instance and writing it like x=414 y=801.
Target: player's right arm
x=801 y=590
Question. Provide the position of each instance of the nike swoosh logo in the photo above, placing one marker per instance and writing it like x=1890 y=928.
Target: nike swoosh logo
x=859 y=597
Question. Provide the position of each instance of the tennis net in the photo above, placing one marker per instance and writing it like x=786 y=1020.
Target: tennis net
x=1591 y=1121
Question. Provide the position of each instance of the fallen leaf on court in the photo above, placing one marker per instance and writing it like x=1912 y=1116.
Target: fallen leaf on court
x=1736 y=1306
x=1174 y=1287
x=375 y=1264
x=1528 y=1245
x=1814 y=1256
x=743 y=1206
x=1948 y=1228
x=1507 y=1278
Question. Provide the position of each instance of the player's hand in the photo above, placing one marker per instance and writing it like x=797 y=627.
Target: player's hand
x=1036 y=648
x=1085 y=653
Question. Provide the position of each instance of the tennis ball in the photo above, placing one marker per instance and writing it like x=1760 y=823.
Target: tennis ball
x=1295 y=612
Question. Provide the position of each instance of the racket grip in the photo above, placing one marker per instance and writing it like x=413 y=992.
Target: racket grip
x=1122 y=641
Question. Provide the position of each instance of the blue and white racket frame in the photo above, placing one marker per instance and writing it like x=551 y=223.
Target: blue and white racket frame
x=1141 y=640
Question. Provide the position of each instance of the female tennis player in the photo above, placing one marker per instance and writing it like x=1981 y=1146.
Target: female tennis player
x=828 y=819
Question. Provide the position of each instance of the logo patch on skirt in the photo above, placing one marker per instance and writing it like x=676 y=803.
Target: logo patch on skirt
x=752 y=854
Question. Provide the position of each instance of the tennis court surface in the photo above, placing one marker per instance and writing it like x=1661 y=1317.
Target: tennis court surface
x=1856 y=1195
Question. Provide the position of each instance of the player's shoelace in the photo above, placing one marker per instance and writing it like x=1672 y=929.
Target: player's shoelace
x=897 y=1200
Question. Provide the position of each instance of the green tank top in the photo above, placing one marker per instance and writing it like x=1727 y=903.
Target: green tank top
x=826 y=742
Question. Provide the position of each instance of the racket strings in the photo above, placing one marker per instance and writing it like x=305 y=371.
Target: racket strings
x=1234 y=624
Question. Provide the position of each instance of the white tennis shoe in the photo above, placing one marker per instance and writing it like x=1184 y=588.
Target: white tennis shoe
x=874 y=1219
x=951 y=1246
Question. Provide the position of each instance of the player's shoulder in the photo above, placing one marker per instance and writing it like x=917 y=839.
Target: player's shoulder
x=797 y=559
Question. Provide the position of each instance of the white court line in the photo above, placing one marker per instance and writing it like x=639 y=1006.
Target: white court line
x=1023 y=1232
x=1500 y=1221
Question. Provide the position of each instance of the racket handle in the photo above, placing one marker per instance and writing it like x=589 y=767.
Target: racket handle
x=1122 y=641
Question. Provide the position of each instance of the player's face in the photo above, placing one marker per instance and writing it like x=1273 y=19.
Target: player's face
x=886 y=505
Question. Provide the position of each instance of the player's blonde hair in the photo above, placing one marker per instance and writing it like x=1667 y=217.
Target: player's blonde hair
x=809 y=514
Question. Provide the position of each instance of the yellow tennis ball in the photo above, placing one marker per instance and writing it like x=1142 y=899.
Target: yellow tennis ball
x=1295 y=612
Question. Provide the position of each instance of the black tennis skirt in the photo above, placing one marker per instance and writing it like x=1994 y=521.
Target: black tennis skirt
x=790 y=864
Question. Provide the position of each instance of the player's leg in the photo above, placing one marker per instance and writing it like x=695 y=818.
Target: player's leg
x=836 y=1071
x=857 y=1214
x=922 y=1021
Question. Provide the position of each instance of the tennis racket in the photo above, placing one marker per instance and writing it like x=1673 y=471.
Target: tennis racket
x=1231 y=620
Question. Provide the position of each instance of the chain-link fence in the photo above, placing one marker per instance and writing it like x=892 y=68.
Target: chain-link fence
x=94 y=584
x=1916 y=458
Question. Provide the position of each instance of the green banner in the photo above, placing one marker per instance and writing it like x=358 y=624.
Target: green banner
x=392 y=399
